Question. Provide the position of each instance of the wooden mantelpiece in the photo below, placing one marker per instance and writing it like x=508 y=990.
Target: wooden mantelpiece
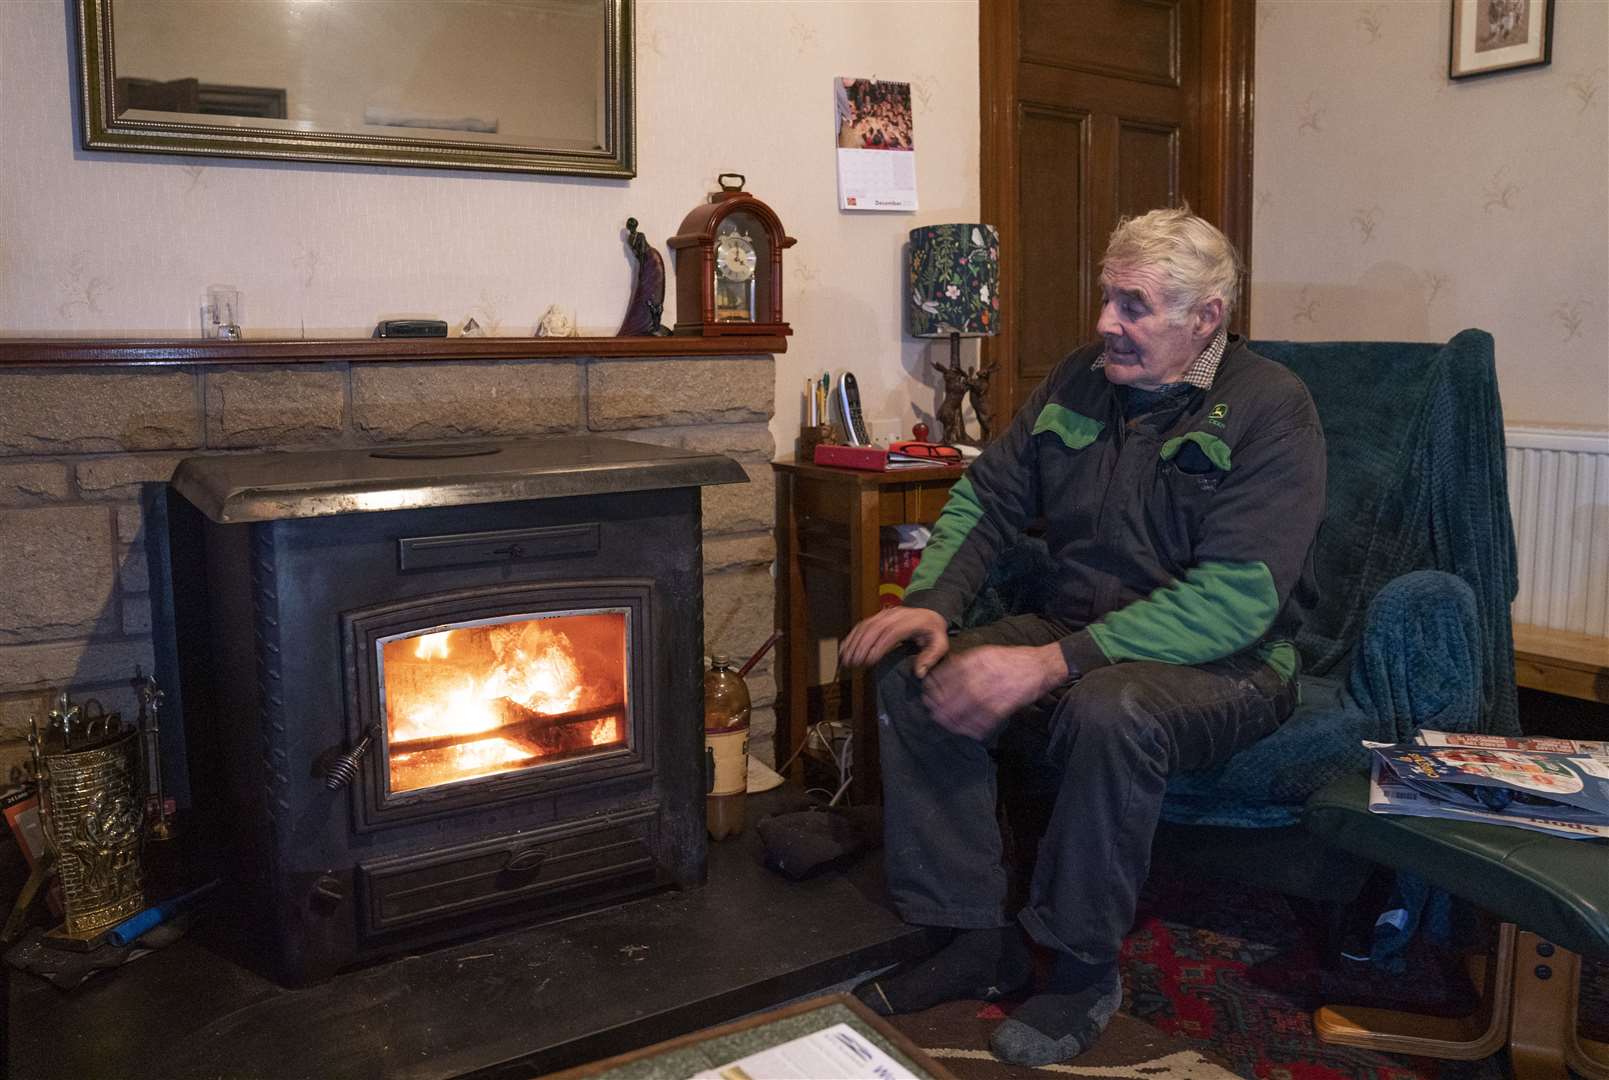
x=81 y=352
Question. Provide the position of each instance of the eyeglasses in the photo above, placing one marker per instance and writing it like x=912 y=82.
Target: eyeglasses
x=939 y=452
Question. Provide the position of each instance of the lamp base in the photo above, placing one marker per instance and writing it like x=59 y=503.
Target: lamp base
x=956 y=385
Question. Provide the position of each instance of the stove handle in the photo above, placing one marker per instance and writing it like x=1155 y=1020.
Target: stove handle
x=521 y=867
x=344 y=769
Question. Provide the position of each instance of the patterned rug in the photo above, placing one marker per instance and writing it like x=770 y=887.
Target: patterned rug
x=1218 y=981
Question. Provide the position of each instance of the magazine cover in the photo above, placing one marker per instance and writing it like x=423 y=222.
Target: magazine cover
x=1389 y=795
x=1540 y=744
x=1526 y=775
x=1558 y=786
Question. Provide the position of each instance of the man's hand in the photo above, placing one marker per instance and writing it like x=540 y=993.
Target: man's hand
x=974 y=691
x=872 y=638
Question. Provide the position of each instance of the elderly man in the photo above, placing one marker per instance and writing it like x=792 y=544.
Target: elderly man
x=1179 y=481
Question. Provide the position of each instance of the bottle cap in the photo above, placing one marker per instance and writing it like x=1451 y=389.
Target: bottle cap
x=720 y=660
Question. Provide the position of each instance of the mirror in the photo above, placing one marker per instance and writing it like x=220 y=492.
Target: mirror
x=520 y=85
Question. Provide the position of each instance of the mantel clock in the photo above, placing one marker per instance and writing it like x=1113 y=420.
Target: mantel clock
x=729 y=265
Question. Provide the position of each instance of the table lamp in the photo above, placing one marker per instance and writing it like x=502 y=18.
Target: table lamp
x=954 y=293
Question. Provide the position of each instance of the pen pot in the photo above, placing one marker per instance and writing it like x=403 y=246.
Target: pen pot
x=812 y=436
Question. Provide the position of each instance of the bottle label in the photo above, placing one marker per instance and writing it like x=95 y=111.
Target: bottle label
x=731 y=750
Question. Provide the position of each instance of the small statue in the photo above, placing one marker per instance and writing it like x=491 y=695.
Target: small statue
x=978 y=394
x=955 y=392
x=556 y=322
x=648 y=296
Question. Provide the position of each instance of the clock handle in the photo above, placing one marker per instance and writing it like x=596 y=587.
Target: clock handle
x=741 y=180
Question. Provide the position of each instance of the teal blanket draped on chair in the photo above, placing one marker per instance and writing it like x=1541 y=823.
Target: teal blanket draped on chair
x=1417 y=481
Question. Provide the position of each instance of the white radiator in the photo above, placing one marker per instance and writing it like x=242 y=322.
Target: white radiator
x=1558 y=491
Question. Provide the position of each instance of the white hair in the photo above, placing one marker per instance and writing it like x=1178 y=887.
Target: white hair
x=1196 y=261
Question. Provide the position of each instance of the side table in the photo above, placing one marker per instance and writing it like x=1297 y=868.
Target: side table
x=827 y=523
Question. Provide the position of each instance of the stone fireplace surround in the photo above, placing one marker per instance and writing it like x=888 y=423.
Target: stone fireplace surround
x=89 y=429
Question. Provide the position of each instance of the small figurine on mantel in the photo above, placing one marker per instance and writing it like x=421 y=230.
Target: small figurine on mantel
x=647 y=302
x=556 y=322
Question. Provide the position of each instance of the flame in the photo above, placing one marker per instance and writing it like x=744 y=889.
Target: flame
x=498 y=674
x=432 y=646
x=465 y=709
x=486 y=754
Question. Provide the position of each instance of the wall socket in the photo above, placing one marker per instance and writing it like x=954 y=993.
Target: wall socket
x=884 y=429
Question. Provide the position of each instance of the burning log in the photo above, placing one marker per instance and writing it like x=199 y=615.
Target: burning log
x=518 y=723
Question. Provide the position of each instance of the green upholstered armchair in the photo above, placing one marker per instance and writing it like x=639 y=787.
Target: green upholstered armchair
x=1416 y=481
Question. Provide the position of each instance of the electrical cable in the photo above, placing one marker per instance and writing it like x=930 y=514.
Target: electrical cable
x=842 y=758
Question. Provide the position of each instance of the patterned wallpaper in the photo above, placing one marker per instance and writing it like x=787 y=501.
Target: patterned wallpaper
x=101 y=245
x=1392 y=203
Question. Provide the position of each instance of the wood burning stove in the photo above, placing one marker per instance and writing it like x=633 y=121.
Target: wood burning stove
x=430 y=690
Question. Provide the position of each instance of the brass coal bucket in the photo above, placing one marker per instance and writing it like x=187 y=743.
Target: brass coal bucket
x=92 y=811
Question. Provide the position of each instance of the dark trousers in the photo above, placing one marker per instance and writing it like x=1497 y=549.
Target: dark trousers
x=1105 y=747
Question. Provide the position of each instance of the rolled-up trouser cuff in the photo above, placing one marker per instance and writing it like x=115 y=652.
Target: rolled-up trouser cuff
x=956 y=918
x=1037 y=929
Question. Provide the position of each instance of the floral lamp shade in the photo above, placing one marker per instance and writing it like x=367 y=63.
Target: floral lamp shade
x=955 y=281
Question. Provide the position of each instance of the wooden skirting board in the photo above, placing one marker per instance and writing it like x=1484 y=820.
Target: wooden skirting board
x=1561 y=662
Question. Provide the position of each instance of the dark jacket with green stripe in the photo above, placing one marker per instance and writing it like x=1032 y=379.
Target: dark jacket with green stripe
x=1182 y=535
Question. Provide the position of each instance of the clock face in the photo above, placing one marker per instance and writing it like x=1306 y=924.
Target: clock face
x=735 y=258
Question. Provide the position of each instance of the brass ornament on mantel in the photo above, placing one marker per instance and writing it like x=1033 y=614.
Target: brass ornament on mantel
x=92 y=811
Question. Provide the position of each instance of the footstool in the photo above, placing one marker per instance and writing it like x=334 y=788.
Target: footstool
x=1552 y=895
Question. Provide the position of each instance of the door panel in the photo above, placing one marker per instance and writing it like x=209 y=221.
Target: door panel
x=1147 y=167
x=1133 y=39
x=1054 y=149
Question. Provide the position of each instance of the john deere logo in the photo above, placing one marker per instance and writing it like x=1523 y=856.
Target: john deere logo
x=1217 y=415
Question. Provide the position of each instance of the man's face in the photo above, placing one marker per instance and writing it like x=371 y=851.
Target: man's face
x=1145 y=347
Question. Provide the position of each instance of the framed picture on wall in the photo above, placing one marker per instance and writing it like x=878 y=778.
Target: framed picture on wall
x=1499 y=35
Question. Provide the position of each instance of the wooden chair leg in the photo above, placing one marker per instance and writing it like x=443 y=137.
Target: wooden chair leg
x=1588 y=1057
x=1530 y=1003
x=1461 y=1038
x=1542 y=1023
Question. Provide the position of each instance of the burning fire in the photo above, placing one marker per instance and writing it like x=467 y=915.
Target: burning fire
x=433 y=645
x=505 y=676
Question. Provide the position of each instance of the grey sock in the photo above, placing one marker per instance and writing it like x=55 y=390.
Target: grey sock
x=1053 y=1027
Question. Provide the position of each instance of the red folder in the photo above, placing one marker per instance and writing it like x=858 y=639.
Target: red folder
x=877 y=459
x=872 y=458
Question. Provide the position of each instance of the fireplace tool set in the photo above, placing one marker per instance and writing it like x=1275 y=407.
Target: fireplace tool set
x=95 y=775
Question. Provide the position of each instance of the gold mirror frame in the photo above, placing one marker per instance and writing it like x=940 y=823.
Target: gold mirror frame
x=104 y=129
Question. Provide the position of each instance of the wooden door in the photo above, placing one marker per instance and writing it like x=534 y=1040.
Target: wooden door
x=1094 y=109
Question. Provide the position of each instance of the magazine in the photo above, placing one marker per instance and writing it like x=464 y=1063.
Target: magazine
x=1555 y=786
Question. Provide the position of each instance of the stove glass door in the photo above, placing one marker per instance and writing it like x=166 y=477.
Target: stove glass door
x=490 y=696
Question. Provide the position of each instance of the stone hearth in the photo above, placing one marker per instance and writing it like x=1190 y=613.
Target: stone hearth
x=509 y=1007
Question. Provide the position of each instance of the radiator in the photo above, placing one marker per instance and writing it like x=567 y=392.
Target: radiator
x=1558 y=491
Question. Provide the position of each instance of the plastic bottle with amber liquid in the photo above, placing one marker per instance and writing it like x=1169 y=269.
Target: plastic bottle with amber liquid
x=726 y=747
